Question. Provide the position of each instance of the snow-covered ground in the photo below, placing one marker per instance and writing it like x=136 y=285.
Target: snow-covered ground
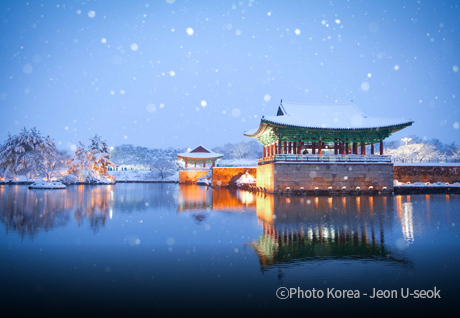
x=421 y=184
x=437 y=164
x=143 y=176
x=46 y=185
x=246 y=179
x=237 y=163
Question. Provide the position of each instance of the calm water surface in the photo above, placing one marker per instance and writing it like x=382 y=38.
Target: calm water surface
x=164 y=247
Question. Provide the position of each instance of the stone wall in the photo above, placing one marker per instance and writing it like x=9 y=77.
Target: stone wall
x=430 y=174
x=191 y=176
x=277 y=176
x=222 y=175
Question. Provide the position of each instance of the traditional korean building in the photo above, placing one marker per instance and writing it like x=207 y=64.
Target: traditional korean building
x=322 y=133
x=200 y=155
x=198 y=161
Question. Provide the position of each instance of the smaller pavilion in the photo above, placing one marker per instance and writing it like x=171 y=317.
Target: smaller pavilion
x=200 y=155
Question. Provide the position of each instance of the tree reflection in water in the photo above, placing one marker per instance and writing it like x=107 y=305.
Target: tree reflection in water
x=27 y=212
x=293 y=228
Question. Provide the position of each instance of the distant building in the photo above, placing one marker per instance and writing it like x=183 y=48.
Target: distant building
x=200 y=155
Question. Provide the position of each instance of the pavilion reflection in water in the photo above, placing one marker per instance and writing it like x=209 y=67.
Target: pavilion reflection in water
x=316 y=228
x=202 y=199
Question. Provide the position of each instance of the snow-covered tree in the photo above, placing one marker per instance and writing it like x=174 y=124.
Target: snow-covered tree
x=240 y=150
x=420 y=152
x=101 y=155
x=29 y=153
x=163 y=166
x=90 y=164
x=48 y=160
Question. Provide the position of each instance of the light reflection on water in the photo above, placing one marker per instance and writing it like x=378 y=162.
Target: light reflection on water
x=269 y=240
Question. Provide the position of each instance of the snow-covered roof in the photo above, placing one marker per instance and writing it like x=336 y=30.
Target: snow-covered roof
x=200 y=152
x=327 y=116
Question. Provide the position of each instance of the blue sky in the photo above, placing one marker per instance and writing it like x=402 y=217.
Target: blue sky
x=130 y=71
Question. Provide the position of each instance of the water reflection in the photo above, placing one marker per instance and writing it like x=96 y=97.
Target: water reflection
x=405 y=215
x=27 y=212
x=315 y=228
x=292 y=229
x=200 y=200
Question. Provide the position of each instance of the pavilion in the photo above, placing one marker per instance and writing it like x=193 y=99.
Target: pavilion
x=322 y=147
x=200 y=155
x=300 y=129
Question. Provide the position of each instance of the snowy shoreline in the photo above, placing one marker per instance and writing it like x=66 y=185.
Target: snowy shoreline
x=90 y=183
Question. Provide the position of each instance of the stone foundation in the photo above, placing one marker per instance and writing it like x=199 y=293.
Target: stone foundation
x=278 y=176
x=424 y=174
x=222 y=175
x=191 y=176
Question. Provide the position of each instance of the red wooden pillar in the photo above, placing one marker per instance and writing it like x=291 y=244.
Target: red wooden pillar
x=271 y=150
x=213 y=163
x=195 y=163
x=313 y=148
x=204 y=164
x=289 y=147
x=263 y=156
x=347 y=150
x=280 y=150
x=363 y=148
x=372 y=149
x=355 y=148
x=320 y=147
x=186 y=163
x=299 y=150
x=381 y=147
x=335 y=148
x=294 y=148
x=285 y=147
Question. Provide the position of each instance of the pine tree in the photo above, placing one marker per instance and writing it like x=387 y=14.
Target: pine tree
x=29 y=152
x=100 y=155
x=91 y=163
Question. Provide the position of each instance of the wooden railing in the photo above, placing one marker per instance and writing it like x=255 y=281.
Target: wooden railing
x=326 y=158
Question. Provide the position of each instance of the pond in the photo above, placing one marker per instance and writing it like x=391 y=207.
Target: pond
x=176 y=248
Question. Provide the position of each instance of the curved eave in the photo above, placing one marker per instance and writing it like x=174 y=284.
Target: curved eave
x=264 y=125
x=262 y=129
x=199 y=158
